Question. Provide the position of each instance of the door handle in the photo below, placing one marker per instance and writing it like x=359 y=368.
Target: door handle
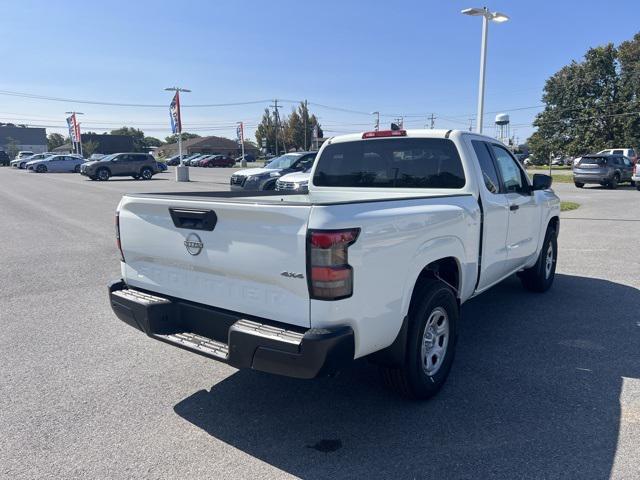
x=513 y=208
x=194 y=219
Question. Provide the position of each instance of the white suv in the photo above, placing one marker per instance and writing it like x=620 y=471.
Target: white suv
x=630 y=153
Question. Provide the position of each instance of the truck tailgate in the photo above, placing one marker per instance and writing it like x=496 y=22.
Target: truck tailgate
x=252 y=262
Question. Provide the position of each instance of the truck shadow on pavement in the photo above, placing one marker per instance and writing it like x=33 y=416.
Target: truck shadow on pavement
x=534 y=393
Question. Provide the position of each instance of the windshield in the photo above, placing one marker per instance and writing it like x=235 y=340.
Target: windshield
x=107 y=157
x=391 y=163
x=285 y=161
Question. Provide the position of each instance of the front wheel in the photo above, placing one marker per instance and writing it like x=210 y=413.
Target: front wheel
x=146 y=173
x=579 y=184
x=103 y=174
x=41 y=169
x=431 y=339
x=539 y=278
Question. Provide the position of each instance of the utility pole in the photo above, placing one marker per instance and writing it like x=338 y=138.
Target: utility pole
x=377 y=125
x=471 y=124
x=182 y=171
x=432 y=121
x=277 y=120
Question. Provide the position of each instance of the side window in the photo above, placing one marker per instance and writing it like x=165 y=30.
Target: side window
x=487 y=166
x=626 y=161
x=511 y=175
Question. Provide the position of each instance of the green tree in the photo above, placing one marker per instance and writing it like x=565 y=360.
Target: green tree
x=13 y=147
x=54 y=140
x=138 y=137
x=185 y=136
x=629 y=62
x=89 y=148
x=266 y=131
x=291 y=131
x=152 y=142
x=590 y=105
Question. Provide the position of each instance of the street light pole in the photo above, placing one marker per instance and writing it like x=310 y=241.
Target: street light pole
x=486 y=17
x=483 y=65
x=182 y=171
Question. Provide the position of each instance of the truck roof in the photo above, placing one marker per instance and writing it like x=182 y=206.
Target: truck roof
x=413 y=133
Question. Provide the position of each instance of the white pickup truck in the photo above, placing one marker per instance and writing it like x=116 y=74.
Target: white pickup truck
x=398 y=229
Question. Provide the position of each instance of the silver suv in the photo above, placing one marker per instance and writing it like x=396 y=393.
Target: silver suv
x=606 y=170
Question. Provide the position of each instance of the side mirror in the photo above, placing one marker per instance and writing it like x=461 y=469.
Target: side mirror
x=541 y=181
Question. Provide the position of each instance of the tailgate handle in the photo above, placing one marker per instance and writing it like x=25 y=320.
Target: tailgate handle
x=194 y=219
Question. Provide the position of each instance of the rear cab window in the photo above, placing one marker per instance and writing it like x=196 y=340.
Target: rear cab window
x=391 y=163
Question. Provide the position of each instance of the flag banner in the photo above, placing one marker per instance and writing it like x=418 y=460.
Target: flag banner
x=76 y=128
x=240 y=134
x=174 y=113
x=72 y=129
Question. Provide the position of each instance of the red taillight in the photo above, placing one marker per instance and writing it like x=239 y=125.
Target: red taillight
x=330 y=275
x=118 y=243
x=385 y=133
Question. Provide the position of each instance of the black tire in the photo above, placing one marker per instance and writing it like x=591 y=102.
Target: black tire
x=579 y=184
x=638 y=187
x=412 y=379
x=270 y=186
x=146 y=173
x=613 y=183
x=539 y=278
x=41 y=168
x=632 y=183
x=103 y=174
x=76 y=169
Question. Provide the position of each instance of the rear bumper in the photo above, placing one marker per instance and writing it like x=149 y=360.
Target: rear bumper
x=591 y=178
x=232 y=338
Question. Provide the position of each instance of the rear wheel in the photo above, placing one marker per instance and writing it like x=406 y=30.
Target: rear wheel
x=103 y=174
x=613 y=183
x=146 y=173
x=431 y=339
x=579 y=184
x=41 y=168
x=539 y=278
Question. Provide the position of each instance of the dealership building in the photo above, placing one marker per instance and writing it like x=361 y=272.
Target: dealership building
x=17 y=137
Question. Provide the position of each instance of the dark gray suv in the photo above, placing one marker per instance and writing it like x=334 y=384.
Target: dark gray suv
x=606 y=170
x=140 y=166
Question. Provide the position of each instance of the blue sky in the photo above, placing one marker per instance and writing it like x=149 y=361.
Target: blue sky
x=409 y=58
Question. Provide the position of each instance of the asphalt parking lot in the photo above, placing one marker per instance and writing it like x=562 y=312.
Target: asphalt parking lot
x=543 y=386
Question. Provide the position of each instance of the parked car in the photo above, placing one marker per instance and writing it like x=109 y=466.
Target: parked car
x=636 y=175
x=198 y=161
x=294 y=182
x=22 y=162
x=218 y=161
x=24 y=154
x=4 y=158
x=56 y=163
x=399 y=229
x=161 y=167
x=630 y=153
x=606 y=170
x=137 y=165
x=247 y=156
x=191 y=160
x=174 y=161
x=265 y=178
